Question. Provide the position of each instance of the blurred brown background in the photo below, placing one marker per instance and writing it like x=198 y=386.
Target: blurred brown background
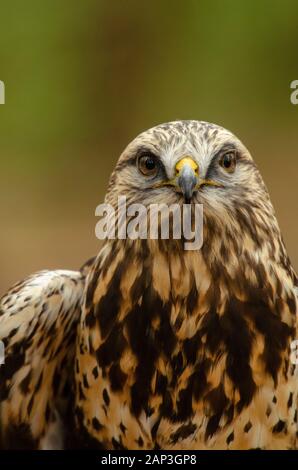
x=83 y=78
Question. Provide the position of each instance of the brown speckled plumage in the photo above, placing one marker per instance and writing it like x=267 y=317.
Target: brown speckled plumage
x=180 y=349
x=38 y=319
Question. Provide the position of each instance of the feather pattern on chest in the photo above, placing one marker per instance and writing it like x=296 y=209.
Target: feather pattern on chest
x=180 y=350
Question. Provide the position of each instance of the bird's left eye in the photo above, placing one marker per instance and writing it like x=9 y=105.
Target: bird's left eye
x=148 y=165
x=228 y=162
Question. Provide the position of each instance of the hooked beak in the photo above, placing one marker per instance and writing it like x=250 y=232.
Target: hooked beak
x=187 y=174
x=187 y=179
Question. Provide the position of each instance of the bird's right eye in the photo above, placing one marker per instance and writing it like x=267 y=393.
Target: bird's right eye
x=148 y=165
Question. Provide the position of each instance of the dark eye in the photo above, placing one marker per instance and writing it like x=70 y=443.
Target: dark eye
x=148 y=165
x=228 y=161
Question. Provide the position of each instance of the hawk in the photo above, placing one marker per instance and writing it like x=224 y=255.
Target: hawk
x=153 y=346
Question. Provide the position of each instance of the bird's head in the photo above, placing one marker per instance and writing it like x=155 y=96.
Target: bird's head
x=187 y=161
x=197 y=162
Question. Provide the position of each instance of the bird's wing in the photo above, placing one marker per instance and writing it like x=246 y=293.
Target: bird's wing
x=38 y=324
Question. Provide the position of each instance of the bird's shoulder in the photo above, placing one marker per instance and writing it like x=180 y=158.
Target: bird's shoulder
x=38 y=320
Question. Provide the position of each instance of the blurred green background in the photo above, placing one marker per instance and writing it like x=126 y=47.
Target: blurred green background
x=83 y=78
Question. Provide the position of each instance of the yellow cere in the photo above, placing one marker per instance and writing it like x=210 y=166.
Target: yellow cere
x=186 y=161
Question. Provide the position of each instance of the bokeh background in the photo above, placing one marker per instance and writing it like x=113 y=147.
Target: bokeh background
x=83 y=78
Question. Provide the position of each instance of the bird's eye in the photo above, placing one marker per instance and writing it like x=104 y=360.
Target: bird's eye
x=148 y=165
x=228 y=161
